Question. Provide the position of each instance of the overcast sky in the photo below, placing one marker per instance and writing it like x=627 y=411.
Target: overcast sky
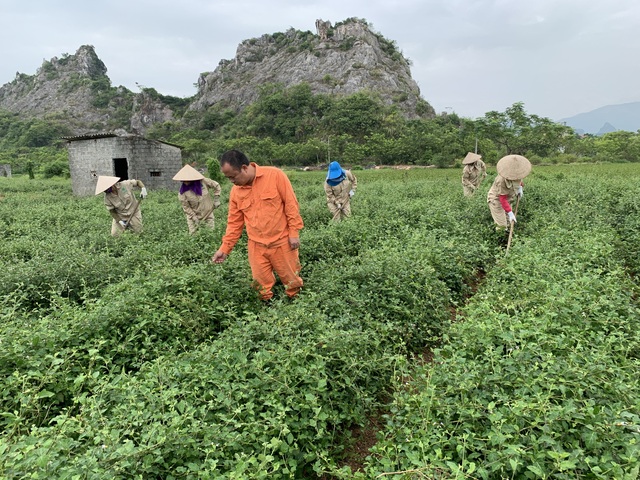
x=559 y=57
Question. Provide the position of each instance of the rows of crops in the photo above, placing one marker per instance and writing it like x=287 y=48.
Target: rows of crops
x=541 y=379
x=136 y=357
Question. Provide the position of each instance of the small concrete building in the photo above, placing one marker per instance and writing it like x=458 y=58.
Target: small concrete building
x=125 y=156
x=5 y=170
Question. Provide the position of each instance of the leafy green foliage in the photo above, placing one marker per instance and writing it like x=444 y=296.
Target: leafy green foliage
x=213 y=169
x=17 y=133
x=539 y=380
x=135 y=354
x=356 y=115
x=136 y=357
x=286 y=114
x=177 y=104
x=515 y=131
x=57 y=168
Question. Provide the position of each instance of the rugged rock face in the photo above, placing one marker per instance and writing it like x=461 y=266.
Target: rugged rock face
x=148 y=110
x=62 y=87
x=341 y=60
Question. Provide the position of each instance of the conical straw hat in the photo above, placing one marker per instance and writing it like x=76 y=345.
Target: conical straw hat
x=513 y=167
x=188 y=174
x=471 y=158
x=105 y=182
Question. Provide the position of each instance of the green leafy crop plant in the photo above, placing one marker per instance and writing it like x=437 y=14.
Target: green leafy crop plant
x=540 y=378
x=135 y=356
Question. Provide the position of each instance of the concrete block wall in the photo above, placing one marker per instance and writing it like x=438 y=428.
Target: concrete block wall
x=153 y=162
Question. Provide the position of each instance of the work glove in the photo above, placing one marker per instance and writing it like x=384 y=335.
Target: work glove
x=143 y=192
x=123 y=223
x=512 y=217
x=520 y=192
x=216 y=202
x=351 y=193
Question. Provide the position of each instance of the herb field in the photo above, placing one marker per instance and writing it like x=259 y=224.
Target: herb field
x=135 y=357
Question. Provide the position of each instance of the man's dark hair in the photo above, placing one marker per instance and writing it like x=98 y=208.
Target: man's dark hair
x=234 y=158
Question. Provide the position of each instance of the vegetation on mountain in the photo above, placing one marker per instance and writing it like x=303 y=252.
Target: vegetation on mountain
x=293 y=126
x=290 y=117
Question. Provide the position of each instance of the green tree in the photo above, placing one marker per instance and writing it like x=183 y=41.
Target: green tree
x=286 y=114
x=619 y=146
x=29 y=167
x=515 y=131
x=41 y=133
x=213 y=169
x=358 y=115
x=55 y=168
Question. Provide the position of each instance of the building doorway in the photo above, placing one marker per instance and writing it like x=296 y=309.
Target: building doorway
x=121 y=168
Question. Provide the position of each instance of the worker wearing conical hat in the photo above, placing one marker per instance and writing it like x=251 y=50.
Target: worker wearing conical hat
x=473 y=173
x=507 y=185
x=339 y=186
x=121 y=203
x=195 y=198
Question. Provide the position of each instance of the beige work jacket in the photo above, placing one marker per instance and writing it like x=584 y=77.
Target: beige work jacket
x=122 y=203
x=474 y=173
x=340 y=193
x=200 y=206
x=502 y=186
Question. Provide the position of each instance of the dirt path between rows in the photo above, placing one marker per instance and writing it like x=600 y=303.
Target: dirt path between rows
x=365 y=437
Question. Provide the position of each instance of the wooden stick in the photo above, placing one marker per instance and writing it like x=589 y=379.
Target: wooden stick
x=135 y=210
x=512 y=225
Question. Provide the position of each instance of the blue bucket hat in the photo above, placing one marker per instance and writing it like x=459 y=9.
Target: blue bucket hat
x=335 y=171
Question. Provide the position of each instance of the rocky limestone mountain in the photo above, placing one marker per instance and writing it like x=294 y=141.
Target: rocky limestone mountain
x=339 y=60
x=76 y=91
x=65 y=89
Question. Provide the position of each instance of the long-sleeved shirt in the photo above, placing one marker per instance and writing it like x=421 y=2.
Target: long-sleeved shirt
x=340 y=193
x=268 y=207
x=474 y=173
x=122 y=203
x=503 y=190
x=199 y=206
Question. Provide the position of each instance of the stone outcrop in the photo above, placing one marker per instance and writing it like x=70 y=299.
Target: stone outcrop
x=60 y=88
x=322 y=29
x=76 y=90
x=148 y=110
x=339 y=60
x=342 y=60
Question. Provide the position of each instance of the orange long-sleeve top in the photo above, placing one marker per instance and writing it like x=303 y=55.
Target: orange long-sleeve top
x=268 y=207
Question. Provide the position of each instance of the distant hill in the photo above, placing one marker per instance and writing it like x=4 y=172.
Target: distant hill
x=338 y=60
x=625 y=116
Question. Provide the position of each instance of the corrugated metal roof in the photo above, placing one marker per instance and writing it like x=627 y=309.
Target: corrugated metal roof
x=89 y=136
x=94 y=136
x=172 y=144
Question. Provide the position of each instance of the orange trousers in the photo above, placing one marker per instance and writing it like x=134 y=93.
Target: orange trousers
x=282 y=259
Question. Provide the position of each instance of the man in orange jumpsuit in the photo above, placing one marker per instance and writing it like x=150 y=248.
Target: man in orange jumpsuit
x=263 y=199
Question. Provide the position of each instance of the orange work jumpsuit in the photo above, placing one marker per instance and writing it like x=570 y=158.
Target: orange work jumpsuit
x=269 y=209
